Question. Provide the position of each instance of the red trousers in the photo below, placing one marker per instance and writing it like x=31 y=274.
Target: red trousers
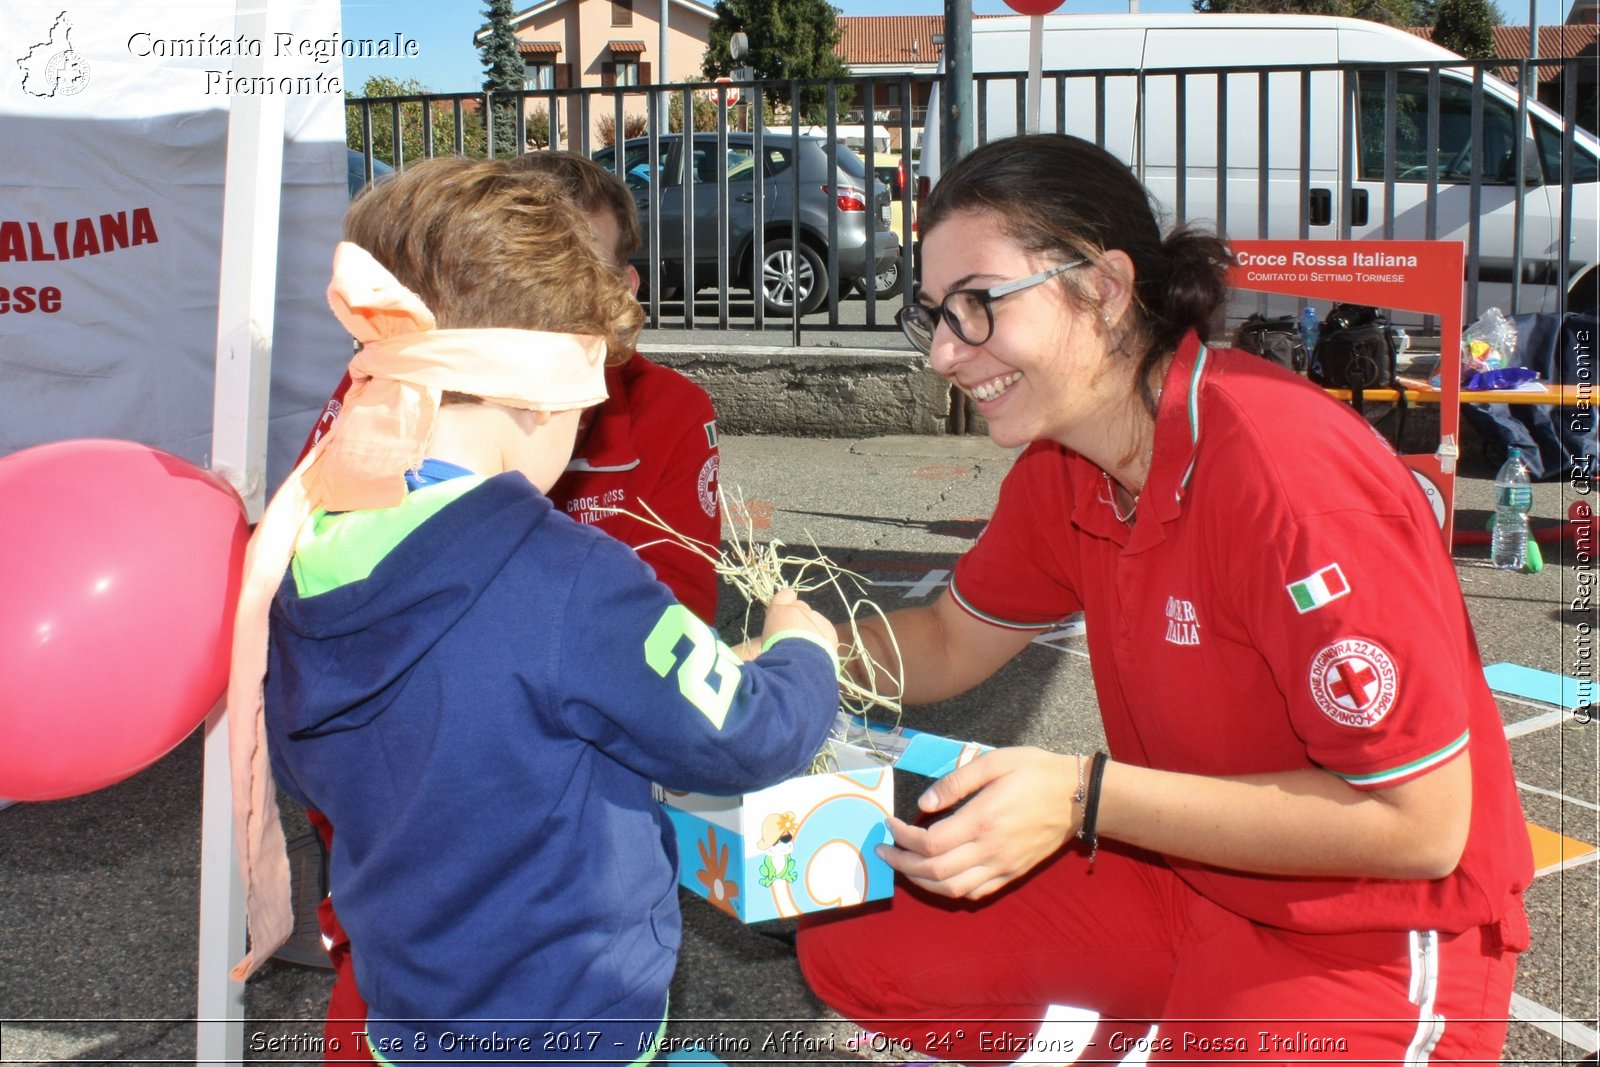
x=1132 y=941
x=344 y=1032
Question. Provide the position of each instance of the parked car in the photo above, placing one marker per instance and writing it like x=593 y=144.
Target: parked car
x=895 y=171
x=356 y=170
x=834 y=185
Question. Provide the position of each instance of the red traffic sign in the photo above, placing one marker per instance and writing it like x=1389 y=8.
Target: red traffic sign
x=1033 y=7
x=732 y=90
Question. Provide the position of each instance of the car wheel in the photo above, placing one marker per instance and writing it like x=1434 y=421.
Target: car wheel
x=889 y=281
x=790 y=275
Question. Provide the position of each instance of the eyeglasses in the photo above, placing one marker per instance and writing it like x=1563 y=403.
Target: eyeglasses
x=969 y=312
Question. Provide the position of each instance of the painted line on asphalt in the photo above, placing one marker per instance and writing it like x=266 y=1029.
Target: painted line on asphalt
x=1535 y=723
x=1554 y=852
x=1564 y=798
x=1553 y=1022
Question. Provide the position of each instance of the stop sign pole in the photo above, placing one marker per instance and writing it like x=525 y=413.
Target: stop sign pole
x=1037 y=9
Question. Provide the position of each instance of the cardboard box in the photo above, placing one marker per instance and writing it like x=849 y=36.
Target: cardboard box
x=805 y=844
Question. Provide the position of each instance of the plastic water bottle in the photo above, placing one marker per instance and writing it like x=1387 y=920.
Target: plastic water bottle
x=1310 y=328
x=1513 y=499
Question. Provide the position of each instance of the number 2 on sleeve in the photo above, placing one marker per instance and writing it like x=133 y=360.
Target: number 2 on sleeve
x=708 y=659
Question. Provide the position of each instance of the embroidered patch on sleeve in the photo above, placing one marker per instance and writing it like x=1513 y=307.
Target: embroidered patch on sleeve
x=707 y=486
x=1354 y=682
x=1321 y=588
x=711 y=433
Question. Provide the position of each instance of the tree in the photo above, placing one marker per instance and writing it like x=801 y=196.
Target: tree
x=1467 y=27
x=788 y=39
x=605 y=128
x=502 y=74
x=444 y=123
x=1393 y=12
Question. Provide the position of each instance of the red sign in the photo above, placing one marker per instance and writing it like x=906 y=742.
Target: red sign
x=1422 y=276
x=732 y=90
x=1033 y=7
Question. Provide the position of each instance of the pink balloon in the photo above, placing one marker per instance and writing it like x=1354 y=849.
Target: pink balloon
x=1034 y=7
x=119 y=571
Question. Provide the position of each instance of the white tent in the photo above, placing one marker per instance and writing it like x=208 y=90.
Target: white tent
x=172 y=188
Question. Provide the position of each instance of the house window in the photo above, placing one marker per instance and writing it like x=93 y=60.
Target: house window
x=627 y=71
x=622 y=12
x=538 y=75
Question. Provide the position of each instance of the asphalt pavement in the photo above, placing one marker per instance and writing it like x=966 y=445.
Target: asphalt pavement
x=99 y=894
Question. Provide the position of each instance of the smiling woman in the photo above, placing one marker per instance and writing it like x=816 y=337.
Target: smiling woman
x=1306 y=817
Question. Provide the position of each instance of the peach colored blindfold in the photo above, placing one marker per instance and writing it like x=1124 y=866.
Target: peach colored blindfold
x=384 y=429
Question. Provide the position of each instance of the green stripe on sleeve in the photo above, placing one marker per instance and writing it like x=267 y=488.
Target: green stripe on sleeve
x=1407 y=770
x=994 y=620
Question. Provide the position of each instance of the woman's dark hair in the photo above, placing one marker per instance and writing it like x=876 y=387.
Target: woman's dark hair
x=1066 y=197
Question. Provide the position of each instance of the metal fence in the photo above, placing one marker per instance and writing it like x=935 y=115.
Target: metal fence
x=1389 y=151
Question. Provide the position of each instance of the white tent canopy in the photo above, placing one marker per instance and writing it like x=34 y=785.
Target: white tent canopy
x=164 y=248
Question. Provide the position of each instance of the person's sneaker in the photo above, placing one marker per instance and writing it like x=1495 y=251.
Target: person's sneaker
x=308 y=884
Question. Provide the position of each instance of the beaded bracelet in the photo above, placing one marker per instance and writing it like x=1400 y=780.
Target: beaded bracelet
x=1089 y=797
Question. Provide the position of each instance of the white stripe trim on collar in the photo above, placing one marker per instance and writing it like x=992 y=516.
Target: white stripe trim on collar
x=577 y=464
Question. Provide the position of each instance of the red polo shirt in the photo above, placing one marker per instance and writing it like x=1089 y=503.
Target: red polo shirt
x=652 y=443
x=1284 y=601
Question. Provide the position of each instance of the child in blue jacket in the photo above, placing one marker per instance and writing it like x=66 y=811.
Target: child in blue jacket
x=478 y=691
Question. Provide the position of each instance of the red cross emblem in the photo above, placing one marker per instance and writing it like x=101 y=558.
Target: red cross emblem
x=1353 y=681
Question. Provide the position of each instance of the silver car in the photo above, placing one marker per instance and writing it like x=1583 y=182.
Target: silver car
x=790 y=273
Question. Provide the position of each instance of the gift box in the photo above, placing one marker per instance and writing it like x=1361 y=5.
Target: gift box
x=807 y=843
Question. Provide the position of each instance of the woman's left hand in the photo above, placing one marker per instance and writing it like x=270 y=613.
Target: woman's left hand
x=1018 y=811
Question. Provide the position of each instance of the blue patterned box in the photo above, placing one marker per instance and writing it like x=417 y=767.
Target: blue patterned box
x=805 y=844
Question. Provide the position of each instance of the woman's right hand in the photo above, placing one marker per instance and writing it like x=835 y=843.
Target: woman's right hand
x=1018 y=812
x=786 y=611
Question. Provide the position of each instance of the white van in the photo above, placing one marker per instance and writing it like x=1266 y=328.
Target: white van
x=1151 y=69
x=854 y=136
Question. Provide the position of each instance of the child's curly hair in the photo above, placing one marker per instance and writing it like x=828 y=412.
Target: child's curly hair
x=484 y=248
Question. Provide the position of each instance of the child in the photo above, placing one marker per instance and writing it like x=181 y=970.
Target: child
x=476 y=690
x=649 y=448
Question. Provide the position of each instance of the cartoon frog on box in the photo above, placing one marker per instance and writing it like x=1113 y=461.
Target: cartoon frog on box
x=777 y=841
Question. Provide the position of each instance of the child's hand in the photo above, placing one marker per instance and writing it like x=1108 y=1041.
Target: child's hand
x=787 y=611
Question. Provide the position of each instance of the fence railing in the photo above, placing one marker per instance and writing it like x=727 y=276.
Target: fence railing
x=1385 y=151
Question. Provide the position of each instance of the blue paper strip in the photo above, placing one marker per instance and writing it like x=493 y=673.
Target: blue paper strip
x=1533 y=684
x=931 y=755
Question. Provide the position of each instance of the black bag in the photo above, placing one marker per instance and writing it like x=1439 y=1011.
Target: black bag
x=1277 y=339
x=1355 y=351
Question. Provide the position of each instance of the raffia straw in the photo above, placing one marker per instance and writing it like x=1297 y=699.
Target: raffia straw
x=758 y=570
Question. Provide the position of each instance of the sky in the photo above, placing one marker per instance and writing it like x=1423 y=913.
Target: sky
x=447 y=62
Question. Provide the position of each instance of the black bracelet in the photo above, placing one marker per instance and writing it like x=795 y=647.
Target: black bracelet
x=1091 y=804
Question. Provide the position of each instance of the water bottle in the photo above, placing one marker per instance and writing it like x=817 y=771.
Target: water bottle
x=1513 y=499
x=1310 y=329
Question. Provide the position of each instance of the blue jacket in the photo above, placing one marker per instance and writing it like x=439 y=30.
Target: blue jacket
x=482 y=717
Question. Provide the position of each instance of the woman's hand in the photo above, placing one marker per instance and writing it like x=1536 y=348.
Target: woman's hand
x=1018 y=811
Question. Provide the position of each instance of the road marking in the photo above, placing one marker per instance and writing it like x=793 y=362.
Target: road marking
x=1553 y=852
x=1552 y=1022
x=1591 y=805
x=941 y=470
x=1535 y=723
x=934 y=579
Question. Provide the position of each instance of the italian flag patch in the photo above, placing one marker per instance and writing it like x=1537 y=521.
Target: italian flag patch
x=1311 y=593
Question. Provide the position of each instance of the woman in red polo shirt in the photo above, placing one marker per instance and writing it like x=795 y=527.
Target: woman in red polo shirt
x=1304 y=841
